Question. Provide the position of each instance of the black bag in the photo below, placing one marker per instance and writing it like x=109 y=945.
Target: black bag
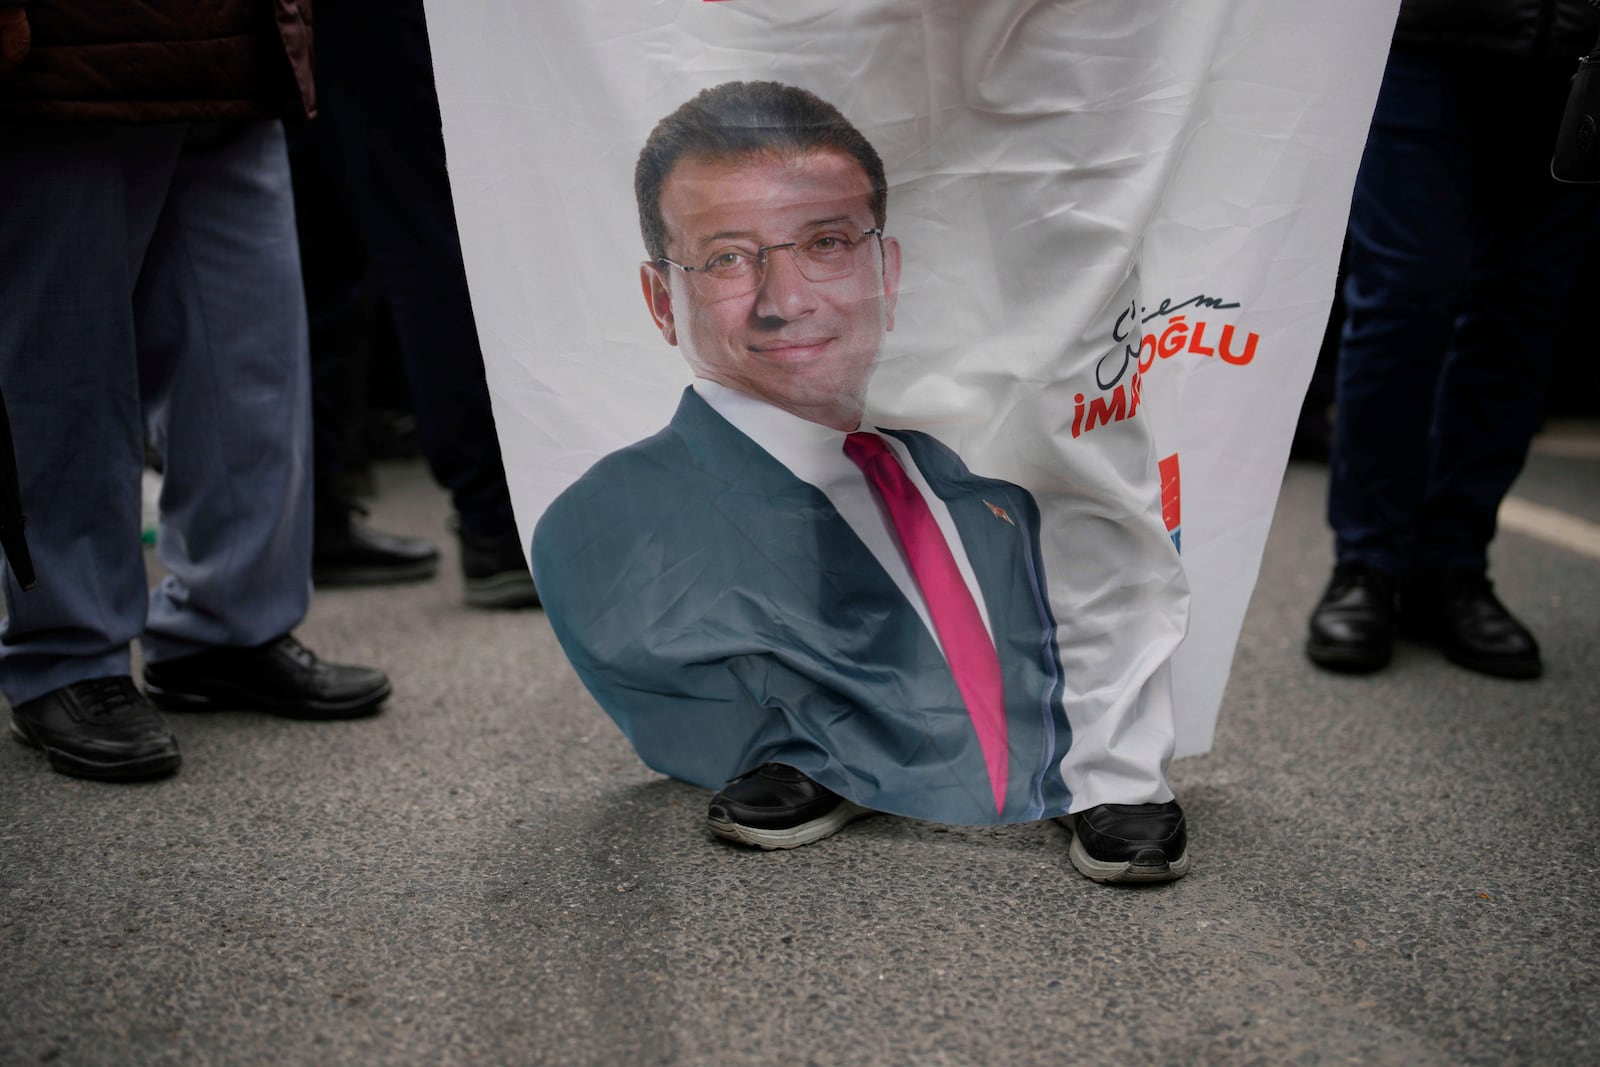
x=1577 y=155
x=11 y=518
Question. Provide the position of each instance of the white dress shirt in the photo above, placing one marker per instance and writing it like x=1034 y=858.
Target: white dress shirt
x=815 y=454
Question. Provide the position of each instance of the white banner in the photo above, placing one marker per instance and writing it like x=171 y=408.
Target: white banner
x=1106 y=259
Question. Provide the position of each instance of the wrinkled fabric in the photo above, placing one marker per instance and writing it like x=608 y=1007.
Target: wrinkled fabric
x=726 y=616
x=1119 y=226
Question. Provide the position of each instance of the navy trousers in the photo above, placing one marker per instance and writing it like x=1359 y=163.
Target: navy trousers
x=151 y=288
x=381 y=132
x=1462 y=253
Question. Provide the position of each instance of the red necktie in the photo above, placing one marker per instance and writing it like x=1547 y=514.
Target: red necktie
x=967 y=646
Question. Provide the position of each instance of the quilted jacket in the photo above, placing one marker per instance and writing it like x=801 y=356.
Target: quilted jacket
x=1558 y=31
x=162 y=61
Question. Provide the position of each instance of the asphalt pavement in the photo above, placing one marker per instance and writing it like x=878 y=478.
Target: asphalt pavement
x=1398 y=869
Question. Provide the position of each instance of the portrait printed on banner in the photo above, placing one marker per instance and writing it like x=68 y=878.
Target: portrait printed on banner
x=771 y=577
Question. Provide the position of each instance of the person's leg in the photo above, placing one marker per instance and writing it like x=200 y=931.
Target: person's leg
x=1408 y=241
x=1532 y=236
x=222 y=344
x=1313 y=431
x=341 y=314
x=375 y=79
x=79 y=209
x=223 y=362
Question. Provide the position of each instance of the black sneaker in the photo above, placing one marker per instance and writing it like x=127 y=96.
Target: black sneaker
x=1353 y=626
x=1130 y=842
x=281 y=677
x=494 y=571
x=346 y=551
x=1458 y=612
x=100 y=728
x=775 y=806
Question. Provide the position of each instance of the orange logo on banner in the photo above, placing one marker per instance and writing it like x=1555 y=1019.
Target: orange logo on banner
x=1180 y=335
x=1122 y=402
x=1119 y=374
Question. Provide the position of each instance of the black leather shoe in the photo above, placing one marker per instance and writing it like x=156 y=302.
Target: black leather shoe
x=1130 y=842
x=281 y=677
x=1353 y=625
x=775 y=806
x=100 y=728
x=494 y=571
x=1458 y=612
x=346 y=551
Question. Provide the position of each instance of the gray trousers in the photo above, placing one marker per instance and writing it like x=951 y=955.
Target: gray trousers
x=150 y=287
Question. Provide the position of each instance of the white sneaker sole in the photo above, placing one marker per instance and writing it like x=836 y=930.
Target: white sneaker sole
x=795 y=836
x=1102 y=871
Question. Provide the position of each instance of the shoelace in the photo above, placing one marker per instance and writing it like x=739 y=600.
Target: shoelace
x=106 y=699
x=1348 y=577
x=296 y=651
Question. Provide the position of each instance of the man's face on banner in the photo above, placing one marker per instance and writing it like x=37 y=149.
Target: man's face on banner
x=798 y=328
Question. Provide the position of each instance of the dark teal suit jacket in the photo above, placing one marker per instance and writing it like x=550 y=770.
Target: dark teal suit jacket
x=725 y=615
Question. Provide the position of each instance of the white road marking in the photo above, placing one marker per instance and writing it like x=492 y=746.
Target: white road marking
x=1551 y=526
x=1568 y=439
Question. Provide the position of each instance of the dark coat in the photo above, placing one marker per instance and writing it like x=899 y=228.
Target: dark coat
x=1555 y=31
x=152 y=61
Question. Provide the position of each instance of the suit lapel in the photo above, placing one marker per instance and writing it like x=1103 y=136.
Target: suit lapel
x=802 y=539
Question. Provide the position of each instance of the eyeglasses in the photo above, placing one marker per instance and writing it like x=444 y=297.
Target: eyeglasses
x=737 y=270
